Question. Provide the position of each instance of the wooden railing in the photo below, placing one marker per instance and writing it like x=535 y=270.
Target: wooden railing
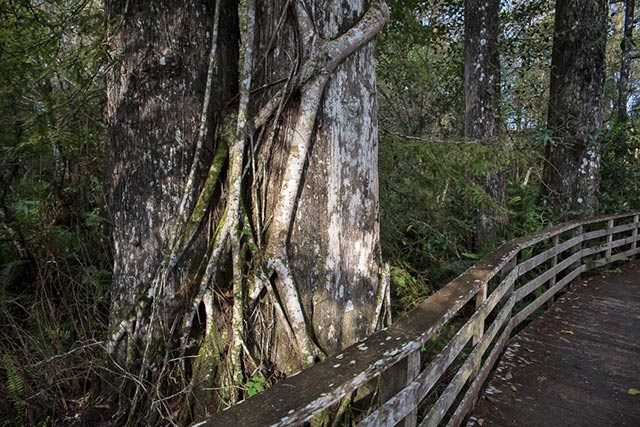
x=404 y=378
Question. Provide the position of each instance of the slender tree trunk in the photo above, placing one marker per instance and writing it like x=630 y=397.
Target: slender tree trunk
x=625 y=61
x=570 y=176
x=482 y=120
x=243 y=151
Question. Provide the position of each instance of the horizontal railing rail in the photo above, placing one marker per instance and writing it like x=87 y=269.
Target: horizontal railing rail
x=412 y=383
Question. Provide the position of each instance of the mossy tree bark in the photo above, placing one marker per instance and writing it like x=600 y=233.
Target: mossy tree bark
x=243 y=150
x=482 y=119
x=570 y=177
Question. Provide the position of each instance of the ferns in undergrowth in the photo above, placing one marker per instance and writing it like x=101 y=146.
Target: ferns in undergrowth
x=54 y=253
x=15 y=389
x=53 y=311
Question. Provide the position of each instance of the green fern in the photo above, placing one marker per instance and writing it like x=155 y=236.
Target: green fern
x=15 y=383
x=15 y=387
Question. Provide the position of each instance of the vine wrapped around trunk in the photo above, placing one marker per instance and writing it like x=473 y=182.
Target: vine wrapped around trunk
x=243 y=193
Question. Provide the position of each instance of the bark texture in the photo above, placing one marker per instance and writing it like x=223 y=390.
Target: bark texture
x=482 y=119
x=570 y=176
x=243 y=152
x=625 y=61
x=155 y=93
x=334 y=242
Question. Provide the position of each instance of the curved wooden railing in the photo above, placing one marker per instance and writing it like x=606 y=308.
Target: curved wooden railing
x=481 y=308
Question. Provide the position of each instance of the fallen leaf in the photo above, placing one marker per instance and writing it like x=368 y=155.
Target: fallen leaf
x=565 y=340
x=514 y=388
x=508 y=375
x=633 y=391
x=491 y=399
x=567 y=331
x=480 y=421
x=638 y=316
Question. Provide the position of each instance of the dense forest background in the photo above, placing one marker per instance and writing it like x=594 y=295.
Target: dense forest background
x=55 y=250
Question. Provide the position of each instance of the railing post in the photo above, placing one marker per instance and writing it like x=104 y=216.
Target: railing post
x=577 y=248
x=397 y=378
x=481 y=296
x=610 y=225
x=634 y=233
x=509 y=266
x=554 y=262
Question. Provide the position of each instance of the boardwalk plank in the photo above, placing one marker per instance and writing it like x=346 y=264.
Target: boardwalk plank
x=578 y=377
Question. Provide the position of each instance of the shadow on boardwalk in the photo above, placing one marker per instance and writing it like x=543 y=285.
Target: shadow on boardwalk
x=576 y=363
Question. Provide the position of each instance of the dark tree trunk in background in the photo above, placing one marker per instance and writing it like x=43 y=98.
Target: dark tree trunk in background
x=242 y=145
x=570 y=176
x=482 y=120
x=625 y=61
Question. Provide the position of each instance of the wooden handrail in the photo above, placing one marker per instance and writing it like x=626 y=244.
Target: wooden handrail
x=507 y=289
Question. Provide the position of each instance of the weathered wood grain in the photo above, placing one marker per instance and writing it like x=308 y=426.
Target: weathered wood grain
x=481 y=297
x=473 y=392
x=618 y=257
x=442 y=405
x=297 y=399
x=402 y=403
x=528 y=310
x=610 y=224
x=535 y=261
x=405 y=401
x=554 y=263
x=535 y=283
x=608 y=231
x=634 y=233
x=395 y=380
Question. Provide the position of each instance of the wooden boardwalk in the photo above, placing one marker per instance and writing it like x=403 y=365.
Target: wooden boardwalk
x=575 y=365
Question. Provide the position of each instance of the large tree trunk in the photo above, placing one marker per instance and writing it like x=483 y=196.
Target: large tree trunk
x=570 y=175
x=482 y=120
x=155 y=94
x=334 y=246
x=245 y=227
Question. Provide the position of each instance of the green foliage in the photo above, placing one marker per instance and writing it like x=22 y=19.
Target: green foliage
x=429 y=197
x=255 y=384
x=15 y=388
x=620 y=170
x=420 y=68
x=408 y=289
x=55 y=266
x=429 y=174
x=525 y=54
